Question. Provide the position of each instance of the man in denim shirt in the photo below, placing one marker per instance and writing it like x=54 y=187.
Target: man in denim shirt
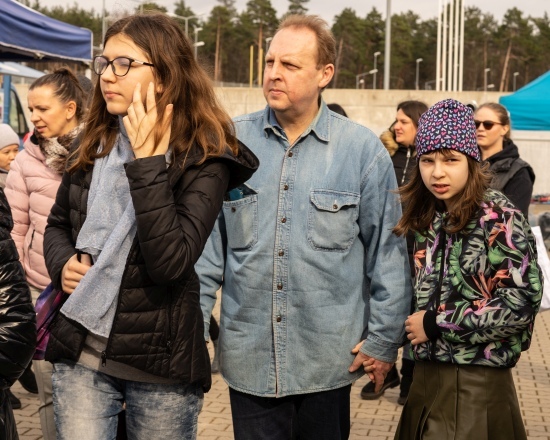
x=305 y=254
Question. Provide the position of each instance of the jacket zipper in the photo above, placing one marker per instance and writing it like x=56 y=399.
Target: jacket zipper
x=169 y=342
x=32 y=238
x=104 y=352
x=437 y=293
x=30 y=247
x=406 y=165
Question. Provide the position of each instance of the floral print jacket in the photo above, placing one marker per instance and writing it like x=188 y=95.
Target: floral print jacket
x=481 y=297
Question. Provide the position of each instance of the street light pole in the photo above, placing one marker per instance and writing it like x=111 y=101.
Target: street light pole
x=387 y=46
x=186 y=19
x=487 y=70
x=267 y=41
x=376 y=54
x=515 y=76
x=418 y=61
x=197 y=42
x=103 y=24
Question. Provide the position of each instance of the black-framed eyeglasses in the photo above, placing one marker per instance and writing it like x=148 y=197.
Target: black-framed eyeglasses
x=487 y=125
x=120 y=65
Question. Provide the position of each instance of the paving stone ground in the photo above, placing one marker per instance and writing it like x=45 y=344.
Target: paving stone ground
x=372 y=420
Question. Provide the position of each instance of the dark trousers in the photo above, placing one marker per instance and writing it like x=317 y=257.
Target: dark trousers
x=315 y=416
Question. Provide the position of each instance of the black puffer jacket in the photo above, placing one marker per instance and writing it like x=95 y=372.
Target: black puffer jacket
x=512 y=176
x=158 y=325
x=17 y=320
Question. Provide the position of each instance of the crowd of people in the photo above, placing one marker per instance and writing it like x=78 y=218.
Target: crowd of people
x=140 y=198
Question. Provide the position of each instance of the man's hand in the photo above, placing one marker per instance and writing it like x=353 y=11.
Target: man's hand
x=74 y=271
x=376 y=370
x=414 y=326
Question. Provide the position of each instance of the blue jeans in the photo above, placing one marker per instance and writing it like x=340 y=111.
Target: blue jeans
x=87 y=404
x=315 y=416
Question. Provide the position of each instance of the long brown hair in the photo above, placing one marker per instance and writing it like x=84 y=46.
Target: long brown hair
x=198 y=118
x=413 y=110
x=420 y=205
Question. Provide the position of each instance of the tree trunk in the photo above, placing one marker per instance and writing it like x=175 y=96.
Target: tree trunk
x=260 y=50
x=505 y=68
x=217 y=54
x=337 y=67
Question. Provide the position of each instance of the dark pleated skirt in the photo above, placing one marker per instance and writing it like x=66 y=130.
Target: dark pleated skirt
x=461 y=402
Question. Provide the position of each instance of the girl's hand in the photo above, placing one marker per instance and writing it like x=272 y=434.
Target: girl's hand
x=140 y=124
x=74 y=271
x=414 y=326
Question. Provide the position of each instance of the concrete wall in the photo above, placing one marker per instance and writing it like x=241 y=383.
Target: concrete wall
x=372 y=108
x=376 y=110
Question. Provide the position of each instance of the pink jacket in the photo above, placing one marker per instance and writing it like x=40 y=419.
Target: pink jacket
x=31 y=188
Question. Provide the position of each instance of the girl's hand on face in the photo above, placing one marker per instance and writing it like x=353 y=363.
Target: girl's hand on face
x=414 y=326
x=140 y=124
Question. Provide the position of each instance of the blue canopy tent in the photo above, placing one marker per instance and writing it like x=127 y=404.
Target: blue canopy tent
x=529 y=107
x=27 y=35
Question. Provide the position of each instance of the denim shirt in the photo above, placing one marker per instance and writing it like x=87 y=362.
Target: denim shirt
x=307 y=260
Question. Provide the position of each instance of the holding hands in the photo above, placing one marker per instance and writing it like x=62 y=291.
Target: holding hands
x=141 y=121
x=375 y=369
x=414 y=326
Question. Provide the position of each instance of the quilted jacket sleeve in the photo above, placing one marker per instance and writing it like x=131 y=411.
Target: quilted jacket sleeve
x=18 y=198
x=173 y=226
x=17 y=316
x=58 y=241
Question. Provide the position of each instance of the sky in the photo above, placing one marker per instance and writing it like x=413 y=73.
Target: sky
x=327 y=9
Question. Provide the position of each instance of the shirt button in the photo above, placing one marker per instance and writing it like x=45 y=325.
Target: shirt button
x=233 y=209
x=280 y=286
x=279 y=318
x=335 y=206
x=285 y=187
x=290 y=154
x=283 y=220
x=281 y=253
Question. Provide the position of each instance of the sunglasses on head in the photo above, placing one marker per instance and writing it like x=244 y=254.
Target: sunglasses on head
x=487 y=125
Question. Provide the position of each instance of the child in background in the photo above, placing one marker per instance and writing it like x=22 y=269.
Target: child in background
x=9 y=147
x=477 y=288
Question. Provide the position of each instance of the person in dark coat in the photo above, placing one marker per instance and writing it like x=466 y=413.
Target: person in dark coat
x=337 y=108
x=17 y=321
x=131 y=218
x=399 y=141
x=511 y=174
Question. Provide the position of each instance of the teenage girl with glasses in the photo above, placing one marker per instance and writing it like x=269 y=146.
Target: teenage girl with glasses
x=131 y=218
x=511 y=175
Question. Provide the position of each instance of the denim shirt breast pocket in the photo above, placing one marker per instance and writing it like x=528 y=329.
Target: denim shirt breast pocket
x=332 y=220
x=241 y=221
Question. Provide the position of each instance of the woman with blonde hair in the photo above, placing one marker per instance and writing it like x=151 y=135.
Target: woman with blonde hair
x=57 y=105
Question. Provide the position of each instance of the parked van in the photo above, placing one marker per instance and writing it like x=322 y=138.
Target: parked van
x=11 y=110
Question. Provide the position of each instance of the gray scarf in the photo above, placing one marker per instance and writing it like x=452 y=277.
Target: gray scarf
x=106 y=235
